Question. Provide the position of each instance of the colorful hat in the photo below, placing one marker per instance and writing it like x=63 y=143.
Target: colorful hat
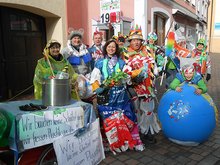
x=120 y=37
x=97 y=32
x=74 y=33
x=135 y=33
x=51 y=43
x=201 y=41
x=152 y=35
x=188 y=68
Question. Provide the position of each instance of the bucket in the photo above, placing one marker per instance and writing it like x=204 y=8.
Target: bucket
x=56 y=92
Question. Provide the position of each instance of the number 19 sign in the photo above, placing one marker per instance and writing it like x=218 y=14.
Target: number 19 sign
x=108 y=8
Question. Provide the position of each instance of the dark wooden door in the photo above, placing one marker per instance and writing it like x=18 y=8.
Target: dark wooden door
x=159 y=28
x=23 y=39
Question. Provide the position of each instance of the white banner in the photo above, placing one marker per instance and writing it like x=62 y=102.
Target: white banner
x=107 y=7
x=187 y=61
x=86 y=149
x=43 y=127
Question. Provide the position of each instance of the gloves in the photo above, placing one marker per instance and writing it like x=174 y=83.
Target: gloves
x=99 y=90
x=139 y=78
x=208 y=77
x=32 y=107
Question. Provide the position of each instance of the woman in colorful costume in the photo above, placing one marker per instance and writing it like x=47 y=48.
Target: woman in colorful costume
x=50 y=66
x=79 y=57
x=204 y=63
x=142 y=68
x=114 y=105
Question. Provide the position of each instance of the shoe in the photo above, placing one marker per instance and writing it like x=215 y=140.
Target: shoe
x=150 y=138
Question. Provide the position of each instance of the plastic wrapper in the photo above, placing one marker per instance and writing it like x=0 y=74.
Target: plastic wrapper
x=118 y=133
x=84 y=87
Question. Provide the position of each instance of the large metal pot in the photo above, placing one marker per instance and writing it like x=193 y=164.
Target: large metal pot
x=56 y=92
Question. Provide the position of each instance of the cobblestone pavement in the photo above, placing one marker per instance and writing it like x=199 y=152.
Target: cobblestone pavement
x=166 y=152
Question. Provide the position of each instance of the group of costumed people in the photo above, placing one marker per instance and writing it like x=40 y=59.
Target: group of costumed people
x=120 y=80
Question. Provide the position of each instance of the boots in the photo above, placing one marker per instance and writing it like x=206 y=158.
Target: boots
x=150 y=138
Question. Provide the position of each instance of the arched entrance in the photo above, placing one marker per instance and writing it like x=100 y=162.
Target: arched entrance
x=159 y=27
x=22 y=39
x=161 y=23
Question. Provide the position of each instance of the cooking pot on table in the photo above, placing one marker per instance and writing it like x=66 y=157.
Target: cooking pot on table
x=56 y=92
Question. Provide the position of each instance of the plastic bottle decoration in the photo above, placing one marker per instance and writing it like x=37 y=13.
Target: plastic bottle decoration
x=170 y=44
x=203 y=60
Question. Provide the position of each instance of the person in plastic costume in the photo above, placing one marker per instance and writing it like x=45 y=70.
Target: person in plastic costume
x=142 y=68
x=77 y=53
x=114 y=62
x=203 y=56
x=151 y=47
x=118 y=99
x=171 y=69
x=79 y=57
x=50 y=65
x=157 y=52
x=189 y=75
x=96 y=49
x=120 y=39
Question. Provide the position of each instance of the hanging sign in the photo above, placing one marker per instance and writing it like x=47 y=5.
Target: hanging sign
x=109 y=11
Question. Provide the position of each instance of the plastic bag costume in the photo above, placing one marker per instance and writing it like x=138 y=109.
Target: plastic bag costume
x=142 y=68
x=81 y=62
x=204 y=62
x=196 y=79
x=119 y=120
x=43 y=71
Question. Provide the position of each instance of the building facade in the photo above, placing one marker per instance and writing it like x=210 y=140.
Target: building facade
x=27 y=25
x=214 y=27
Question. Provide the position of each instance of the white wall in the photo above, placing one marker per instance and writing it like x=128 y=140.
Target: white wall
x=140 y=15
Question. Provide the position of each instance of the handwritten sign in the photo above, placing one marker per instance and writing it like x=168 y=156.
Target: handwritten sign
x=107 y=7
x=43 y=127
x=86 y=149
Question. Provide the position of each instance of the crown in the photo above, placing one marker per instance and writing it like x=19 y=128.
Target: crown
x=135 y=33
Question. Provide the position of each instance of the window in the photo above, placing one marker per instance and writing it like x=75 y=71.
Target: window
x=193 y=2
x=126 y=27
x=23 y=23
x=190 y=37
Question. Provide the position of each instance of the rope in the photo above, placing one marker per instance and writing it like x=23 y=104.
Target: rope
x=20 y=93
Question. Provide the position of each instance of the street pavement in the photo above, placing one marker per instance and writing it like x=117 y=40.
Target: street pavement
x=165 y=152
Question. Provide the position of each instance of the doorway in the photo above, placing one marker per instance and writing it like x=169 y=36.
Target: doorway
x=22 y=36
x=159 y=28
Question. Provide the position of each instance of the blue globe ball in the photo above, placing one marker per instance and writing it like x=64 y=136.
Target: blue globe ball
x=187 y=118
